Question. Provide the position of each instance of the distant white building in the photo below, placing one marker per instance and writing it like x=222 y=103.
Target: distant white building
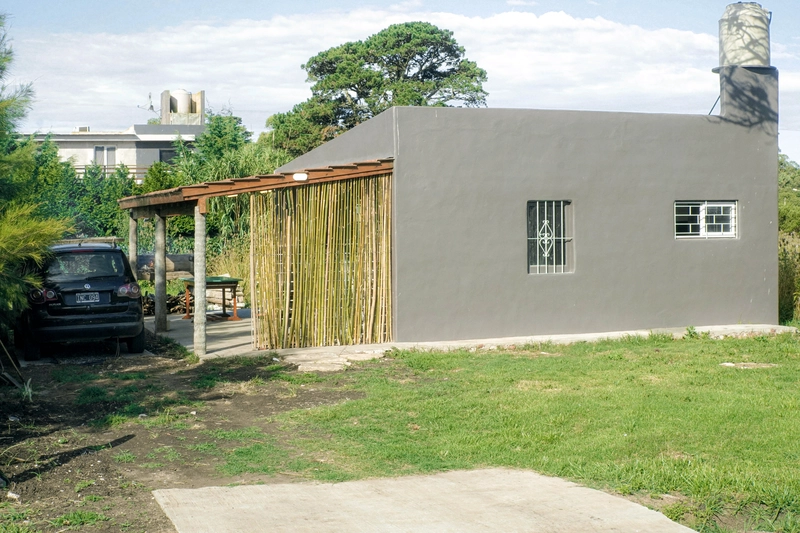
x=139 y=146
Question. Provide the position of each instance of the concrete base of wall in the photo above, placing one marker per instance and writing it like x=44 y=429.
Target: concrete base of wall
x=234 y=338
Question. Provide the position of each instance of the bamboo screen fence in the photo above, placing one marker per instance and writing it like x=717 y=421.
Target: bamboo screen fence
x=321 y=263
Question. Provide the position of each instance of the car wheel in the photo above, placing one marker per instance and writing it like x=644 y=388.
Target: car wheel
x=136 y=344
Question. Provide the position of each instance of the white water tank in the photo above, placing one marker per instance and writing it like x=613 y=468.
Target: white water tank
x=183 y=100
x=744 y=35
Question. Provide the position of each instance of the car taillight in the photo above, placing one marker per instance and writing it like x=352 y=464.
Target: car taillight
x=40 y=296
x=129 y=290
x=36 y=296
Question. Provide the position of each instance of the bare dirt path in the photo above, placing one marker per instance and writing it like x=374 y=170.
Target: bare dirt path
x=102 y=431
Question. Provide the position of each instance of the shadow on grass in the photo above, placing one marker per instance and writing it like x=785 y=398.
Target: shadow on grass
x=45 y=463
x=78 y=387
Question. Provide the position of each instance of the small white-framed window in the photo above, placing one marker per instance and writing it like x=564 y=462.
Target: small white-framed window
x=705 y=219
x=550 y=244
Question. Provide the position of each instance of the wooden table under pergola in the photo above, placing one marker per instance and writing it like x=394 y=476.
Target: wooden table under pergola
x=324 y=232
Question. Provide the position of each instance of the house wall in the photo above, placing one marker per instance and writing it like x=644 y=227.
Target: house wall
x=138 y=147
x=82 y=152
x=148 y=153
x=463 y=178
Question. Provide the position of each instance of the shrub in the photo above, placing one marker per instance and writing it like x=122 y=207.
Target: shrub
x=788 y=277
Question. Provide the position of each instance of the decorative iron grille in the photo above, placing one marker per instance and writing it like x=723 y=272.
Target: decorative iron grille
x=549 y=237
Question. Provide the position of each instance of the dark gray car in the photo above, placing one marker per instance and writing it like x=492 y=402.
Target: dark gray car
x=89 y=293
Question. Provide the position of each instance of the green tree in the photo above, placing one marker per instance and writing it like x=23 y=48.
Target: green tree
x=24 y=236
x=99 y=213
x=56 y=185
x=230 y=217
x=788 y=173
x=16 y=155
x=411 y=64
x=224 y=133
x=223 y=151
x=306 y=126
x=48 y=170
x=788 y=195
x=157 y=178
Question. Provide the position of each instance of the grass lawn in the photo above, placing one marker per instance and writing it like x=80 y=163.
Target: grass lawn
x=712 y=446
x=658 y=420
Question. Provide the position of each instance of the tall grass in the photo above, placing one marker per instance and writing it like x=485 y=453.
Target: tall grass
x=233 y=259
x=788 y=277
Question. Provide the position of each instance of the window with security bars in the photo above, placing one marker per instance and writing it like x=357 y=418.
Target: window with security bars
x=705 y=220
x=549 y=237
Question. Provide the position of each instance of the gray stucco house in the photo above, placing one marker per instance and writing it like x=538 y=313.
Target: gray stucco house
x=513 y=222
x=449 y=224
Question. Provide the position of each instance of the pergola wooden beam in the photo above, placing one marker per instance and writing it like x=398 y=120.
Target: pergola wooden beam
x=167 y=196
x=164 y=210
x=190 y=193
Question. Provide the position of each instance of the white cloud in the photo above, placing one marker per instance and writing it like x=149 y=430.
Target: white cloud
x=551 y=60
x=406 y=6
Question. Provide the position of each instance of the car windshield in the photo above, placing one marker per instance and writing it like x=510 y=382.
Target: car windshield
x=85 y=265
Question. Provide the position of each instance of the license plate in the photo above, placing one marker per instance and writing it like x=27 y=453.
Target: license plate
x=87 y=297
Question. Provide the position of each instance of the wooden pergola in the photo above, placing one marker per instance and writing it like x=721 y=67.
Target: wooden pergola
x=192 y=200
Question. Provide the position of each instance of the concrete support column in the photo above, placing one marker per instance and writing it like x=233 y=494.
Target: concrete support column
x=199 y=280
x=161 y=274
x=133 y=246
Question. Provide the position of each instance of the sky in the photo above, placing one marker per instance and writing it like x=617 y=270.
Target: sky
x=94 y=63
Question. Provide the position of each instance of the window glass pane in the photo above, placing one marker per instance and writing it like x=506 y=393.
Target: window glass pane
x=687 y=219
x=111 y=156
x=166 y=156
x=85 y=265
x=531 y=220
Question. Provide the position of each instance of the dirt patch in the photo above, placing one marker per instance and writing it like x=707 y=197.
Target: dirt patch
x=544 y=386
x=102 y=431
x=749 y=365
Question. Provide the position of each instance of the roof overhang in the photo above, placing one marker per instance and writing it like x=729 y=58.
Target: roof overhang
x=170 y=137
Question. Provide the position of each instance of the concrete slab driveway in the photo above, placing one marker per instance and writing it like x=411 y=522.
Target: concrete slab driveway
x=462 y=501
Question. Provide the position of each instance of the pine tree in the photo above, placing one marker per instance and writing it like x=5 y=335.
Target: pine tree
x=24 y=235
